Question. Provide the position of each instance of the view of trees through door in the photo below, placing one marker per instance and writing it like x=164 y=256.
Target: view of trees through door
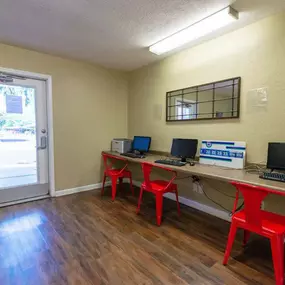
x=17 y=136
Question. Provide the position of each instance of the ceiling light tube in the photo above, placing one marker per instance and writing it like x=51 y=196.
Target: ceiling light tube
x=197 y=30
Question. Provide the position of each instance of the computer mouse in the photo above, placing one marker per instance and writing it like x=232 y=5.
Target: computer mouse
x=192 y=163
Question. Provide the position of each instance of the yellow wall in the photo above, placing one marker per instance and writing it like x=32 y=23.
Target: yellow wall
x=90 y=108
x=256 y=53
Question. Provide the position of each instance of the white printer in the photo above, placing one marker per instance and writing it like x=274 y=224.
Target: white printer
x=121 y=145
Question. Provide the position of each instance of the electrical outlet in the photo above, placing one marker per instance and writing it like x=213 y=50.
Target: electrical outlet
x=197 y=187
x=200 y=188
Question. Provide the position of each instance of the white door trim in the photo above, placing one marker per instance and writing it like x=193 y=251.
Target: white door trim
x=48 y=80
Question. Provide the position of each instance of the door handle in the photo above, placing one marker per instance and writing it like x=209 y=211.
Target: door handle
x=43 y=144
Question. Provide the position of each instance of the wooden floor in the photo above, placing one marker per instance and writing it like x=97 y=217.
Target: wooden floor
x=86 y=239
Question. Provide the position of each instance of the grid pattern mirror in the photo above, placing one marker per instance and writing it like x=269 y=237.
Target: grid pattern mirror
x=216 y=100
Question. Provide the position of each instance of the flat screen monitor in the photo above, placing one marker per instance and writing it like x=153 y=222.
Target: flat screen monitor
x=141 y=144
x=276 y=156
x=184 y=148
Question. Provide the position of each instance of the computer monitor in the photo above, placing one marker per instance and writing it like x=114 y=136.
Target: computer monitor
x=141 y=144
x=184 y=148
x=276 y=156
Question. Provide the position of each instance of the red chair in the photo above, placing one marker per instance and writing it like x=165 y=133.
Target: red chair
x=158 y=188
x=253 y=219
x=114 y=173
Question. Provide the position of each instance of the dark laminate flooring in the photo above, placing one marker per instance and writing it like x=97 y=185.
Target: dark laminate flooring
x=86 y=239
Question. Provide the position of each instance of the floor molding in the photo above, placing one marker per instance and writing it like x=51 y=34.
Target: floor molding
x=24 y=201
x=201 y=207
x=80 y=189
x=185 y=201
x=196 y=205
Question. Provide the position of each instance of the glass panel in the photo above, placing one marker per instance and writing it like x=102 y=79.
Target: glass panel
x=223 y=108
x=205 y=96
x=205 y=108
x=224 y=93
x=187 y=110
x=205 y=87
x=190 y=97
x=175 y=93
x=171 y=112
x=235 y=105
x=214 y=100
x=204 y=116
x=18 y=163
x=173 y=100
x=190 y=90
x=224 y=84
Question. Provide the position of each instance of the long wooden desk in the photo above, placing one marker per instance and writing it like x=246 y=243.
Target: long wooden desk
x=214 y=172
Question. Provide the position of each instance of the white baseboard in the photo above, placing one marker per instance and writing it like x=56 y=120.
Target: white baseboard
x=185 y=201
x=196 y=205
x=201 y=207
x=80 y=189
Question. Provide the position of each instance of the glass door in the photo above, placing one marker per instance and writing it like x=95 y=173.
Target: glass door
x=23 y=138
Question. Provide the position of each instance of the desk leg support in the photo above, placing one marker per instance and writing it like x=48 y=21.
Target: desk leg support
x=114 y=187
x=159 y=205
x=277 y=248
x=140 y=200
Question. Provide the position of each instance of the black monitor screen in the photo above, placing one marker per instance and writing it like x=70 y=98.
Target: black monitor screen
x=184 y=148
x=141 y=144
x=276 y=156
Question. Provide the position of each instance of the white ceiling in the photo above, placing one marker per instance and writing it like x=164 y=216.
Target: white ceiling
x=112 y=33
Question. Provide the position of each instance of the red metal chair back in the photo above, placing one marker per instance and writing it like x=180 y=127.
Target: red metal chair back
x=147 y=169
x=114 y=173
x=253 y=197
x=158 y=188
x=109 y=162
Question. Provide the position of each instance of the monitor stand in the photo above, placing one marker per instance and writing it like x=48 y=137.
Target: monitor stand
x=183 y=159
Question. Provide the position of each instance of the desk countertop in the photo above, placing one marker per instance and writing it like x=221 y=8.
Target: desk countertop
x=214 y=172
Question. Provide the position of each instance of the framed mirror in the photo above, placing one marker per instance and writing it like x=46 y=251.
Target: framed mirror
x=216 y=100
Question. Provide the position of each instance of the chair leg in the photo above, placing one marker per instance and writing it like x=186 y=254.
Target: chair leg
x=230 y=242
x=114 y=187
x=246 y=235
x=177 y=202
x=277 y=248
x=103 y=184
x=140 y=200
x=159 y=205
x=131 y=185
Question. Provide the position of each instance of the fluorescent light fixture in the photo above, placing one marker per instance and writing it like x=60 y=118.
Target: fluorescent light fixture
x=197 y=30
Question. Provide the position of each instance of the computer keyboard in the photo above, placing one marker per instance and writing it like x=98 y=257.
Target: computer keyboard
x=132 y=155
x=273 y=176
x=170 y=162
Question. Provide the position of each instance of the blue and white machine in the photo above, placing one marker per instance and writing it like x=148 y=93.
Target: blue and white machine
x=223 y=153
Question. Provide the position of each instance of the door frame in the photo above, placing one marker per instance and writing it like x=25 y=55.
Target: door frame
x=48 y=80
